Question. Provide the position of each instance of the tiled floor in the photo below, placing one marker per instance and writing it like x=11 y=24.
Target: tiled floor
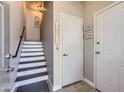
x=78 y=87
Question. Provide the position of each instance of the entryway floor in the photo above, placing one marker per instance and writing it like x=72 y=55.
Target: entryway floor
x=78 y=87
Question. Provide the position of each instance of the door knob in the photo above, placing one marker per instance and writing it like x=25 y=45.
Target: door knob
x=97 y=52
x=8 y=56
x=65 y=54
x=98 y=43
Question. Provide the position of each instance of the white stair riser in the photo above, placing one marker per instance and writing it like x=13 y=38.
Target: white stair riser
x=28 y=50
x=32 y=65
x=32 y=59
x=32 y=46
x=24 y=73
x=29 y=81
x=32 y=54
x=25 y=42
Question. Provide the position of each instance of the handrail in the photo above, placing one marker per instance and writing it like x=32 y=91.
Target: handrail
x=21 y=37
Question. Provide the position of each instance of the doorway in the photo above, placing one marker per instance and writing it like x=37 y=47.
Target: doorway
x=71 y=34
x=109 y=48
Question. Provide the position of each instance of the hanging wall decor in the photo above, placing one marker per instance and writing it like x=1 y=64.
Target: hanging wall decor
x=88 y=32
x=36 y=22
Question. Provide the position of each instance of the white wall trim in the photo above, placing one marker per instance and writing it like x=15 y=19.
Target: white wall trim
x=95 y=38
x=89 y=82
x=50 y=85
x=13 y=89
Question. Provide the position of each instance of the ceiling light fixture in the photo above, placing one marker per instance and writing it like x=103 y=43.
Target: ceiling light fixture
x=41 y=7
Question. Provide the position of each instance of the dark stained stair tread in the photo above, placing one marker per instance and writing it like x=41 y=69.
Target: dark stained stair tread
x=30 y=76
x=36 y=61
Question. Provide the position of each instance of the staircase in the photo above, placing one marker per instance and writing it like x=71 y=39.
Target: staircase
x=32 y=68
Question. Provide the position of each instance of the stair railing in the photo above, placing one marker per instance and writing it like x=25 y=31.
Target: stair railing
x=21 y=38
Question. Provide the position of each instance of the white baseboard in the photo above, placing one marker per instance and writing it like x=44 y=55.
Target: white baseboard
x=89 y=82
x=13 y=89
x=55 y=88
x=50 y=85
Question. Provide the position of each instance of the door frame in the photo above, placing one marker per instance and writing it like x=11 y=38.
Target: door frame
x=2 y=11
x=61 y=47
x=95 y=38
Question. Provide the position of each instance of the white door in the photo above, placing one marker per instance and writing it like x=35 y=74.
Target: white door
x=72 y=49
x=110 y=49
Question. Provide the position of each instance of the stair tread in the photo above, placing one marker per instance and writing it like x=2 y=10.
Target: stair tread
x=34 y=52
x=31 y=56
x=31 y=81
x=30 y=51
x=26 y=59
x=32 y=47
x=31 y=61
x=30 y=68
x=32 y=43
x=30 y=72
x=30 y=76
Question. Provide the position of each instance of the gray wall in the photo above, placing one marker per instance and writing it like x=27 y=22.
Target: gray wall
x=90 y=7
x=0 y=36
x=6 y=33
x=32 y=33
x=47 y=37
x=14 y=21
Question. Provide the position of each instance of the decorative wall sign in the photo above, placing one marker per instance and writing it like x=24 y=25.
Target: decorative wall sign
x=36 y=22
x=88 y=32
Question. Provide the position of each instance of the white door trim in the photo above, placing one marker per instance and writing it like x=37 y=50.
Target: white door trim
x=95 y=38
x=2 y=7
x=61 y=45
